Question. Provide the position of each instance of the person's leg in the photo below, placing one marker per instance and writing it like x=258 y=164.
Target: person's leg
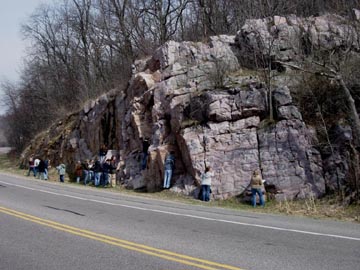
x=169 y=178
x=203 y=192
x=113 y=180
x=165 y=178
x=143 y=162
x=253 y=197
x=100 y=178
x=77 y=179
x=207 y=198
x=105 y=179
x=86 y=176
x=261 y=197
x=62 y=178
x=46 y=174
x=97 y=178
x=91 y=176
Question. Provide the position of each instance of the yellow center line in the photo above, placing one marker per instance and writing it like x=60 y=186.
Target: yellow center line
x=164 y=254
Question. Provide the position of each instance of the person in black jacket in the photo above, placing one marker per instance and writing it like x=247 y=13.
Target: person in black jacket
x=41 y=169
x=97 y=172
x=145 y=153
x=107 y=168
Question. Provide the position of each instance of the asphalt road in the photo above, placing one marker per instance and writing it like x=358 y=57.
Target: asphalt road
x=46 y=225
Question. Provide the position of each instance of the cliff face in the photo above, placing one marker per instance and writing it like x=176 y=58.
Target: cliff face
x=194 y=99
x=291 y=38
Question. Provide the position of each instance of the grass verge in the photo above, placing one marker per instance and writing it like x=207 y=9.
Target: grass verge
x=327 y=208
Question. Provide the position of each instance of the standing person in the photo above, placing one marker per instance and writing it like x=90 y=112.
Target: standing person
x=41 y=169
x=86 y=171
x=61 y=170
x=36 y=164
x=113 y=164
x=145 y=153
x=47 y=166
x=31 y=166
x=206 y=183
x=257 y=187
x=78 y=171
x=91 y=170
x=106 y=170
x=120 y=168
x=97 y=172
x=102 y=153
x=169 y=167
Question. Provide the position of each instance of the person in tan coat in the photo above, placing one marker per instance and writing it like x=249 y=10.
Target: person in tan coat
x=256 y=188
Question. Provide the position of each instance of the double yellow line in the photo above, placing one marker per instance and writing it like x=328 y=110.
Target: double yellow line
x=164 y=254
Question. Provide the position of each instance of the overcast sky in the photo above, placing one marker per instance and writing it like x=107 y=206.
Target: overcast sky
x=12 y=14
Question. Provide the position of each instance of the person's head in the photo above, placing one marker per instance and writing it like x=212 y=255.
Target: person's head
x=172 y=152
x=207 y=168
x=256 y=173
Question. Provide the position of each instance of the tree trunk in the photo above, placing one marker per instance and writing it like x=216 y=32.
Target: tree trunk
x=353 y=112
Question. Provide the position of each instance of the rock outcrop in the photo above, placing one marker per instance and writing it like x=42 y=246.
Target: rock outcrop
x=291 y=38
x=197 y=100
x=194 y=99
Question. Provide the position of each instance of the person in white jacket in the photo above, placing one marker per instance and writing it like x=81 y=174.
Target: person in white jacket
x=61 y=170
x=206 y=184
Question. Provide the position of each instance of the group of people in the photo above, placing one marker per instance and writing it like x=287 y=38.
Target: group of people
x=100 y=172
x=256 y=183
x=39 y=167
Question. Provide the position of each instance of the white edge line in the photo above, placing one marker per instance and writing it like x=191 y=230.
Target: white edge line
x=190 y=216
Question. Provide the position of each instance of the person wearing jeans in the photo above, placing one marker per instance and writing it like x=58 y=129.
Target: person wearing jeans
x=169 y=167
x=256 y=188
x=206 y=184
x=97 y=172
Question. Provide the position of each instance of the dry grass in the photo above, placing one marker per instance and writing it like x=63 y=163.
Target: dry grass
x=326 y=208
x=329 y=207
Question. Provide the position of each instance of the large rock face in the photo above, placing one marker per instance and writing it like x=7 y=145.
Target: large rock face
x=290 y=38
x=192 y=98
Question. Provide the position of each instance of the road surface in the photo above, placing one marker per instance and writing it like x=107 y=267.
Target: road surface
x=47 y=225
